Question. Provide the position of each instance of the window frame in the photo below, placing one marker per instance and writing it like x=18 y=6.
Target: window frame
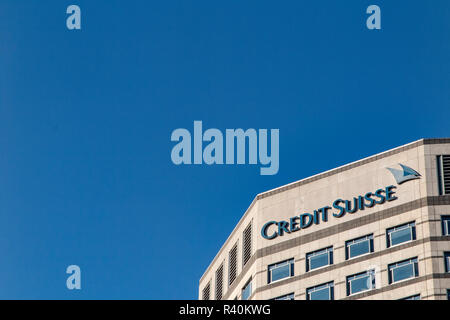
x=411 y=225
x=447 y=261
x=244 y=288
x=329 y=285
x=414 y=261
x=445 y=224
x=369 y=273
x=348 y=243
x=309 y=255
x=270 y=268
x=280 y=298
x=412 y=297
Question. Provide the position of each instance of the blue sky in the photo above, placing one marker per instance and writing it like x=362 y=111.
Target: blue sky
x=86 y=117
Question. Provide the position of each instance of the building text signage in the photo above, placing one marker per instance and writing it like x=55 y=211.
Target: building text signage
x=273 y=229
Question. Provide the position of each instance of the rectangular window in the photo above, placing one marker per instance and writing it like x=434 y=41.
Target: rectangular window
x=321 y=292
x=443 y=172
x=445 y=225
x=247 y=244
x=232 y=265
x=448 y=294
x=219 y=282
x=289 y=296
x=400 y=234
x=414 y=297
x=403 y=270
x=281 y=270
x=447 y=261
x=247 y=290
x=361 y=282
x=359 y=246
x=319 y=259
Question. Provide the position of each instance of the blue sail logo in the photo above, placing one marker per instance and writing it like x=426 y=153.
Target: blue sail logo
x=405 y=174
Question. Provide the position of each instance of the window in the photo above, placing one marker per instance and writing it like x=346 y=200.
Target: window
x=247 y=290
x=414 y=297
x=360 y=282
x=219 y=282
x=289 y=296
x=281 y=270
x=319 y=259
x=443 y=172
x=206 y=292
x=232 y=265
x=447 y=261
x=445 y=225
x=359 y=246
x=247 y=244
x=321 y=292
x=399 y=234
x=448 y=294
x=403 y=270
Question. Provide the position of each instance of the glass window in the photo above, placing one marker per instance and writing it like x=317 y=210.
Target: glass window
x=448 y=294
x=247 y=290
x=361 y=282
x=289 y=296
x=359 y=246
x=447 y=261
x=403 y=270
x=319 y=258
x=321 y=292
x=445 y=225
x=414 y=297
x=281 y=270
x=400 y=234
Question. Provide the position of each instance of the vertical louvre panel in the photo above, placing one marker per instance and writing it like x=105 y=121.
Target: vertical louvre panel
x=247 y=244
x=219 y=283
x=232 y=267
x=446 y=173
x=206 y=295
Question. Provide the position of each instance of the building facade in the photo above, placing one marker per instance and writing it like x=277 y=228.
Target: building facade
x=377 y=228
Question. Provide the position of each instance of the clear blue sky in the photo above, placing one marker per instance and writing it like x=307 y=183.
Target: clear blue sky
x=86 y=116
